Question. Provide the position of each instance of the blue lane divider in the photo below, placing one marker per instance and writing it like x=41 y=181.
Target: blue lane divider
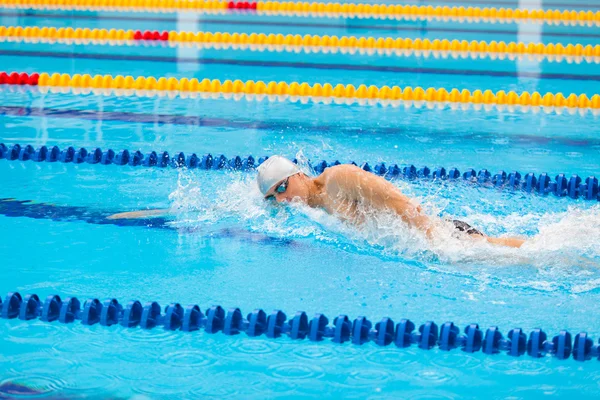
x=342 y=329
x=562 y=185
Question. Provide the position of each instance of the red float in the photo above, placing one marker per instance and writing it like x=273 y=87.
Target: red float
x=33 y=79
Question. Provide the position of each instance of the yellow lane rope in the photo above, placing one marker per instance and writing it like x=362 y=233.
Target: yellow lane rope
x=309 y=43
x=325 y=93
x=333 y=10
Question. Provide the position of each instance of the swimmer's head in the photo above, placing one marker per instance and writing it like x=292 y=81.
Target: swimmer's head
x=273 y=173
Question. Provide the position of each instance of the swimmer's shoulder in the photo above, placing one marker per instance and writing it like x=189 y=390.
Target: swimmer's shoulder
x=343 y=176
x=342 y=169
x=338 y=172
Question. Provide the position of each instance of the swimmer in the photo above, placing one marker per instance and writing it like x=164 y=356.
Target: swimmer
x=343 y=190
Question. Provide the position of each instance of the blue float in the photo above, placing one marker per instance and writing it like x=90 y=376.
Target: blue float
x=491 y=342
x=499 y=179
x=385 y=332
x=429 y=335
x=69 y=310
x=299 y=326
x=582 y=347
x=173 y=318
x=257 y=323
x=30 y=307
x=215 y=319
x=473 y=338
x=439 y=173
x=317 y=327
x=192 y=318
x=132 y=314
x=233 y=322
x=573 y=187
x=11 y=306
x=562 y=345
x=110 y=312
x=535 y=344
x=448 y=335
x=51 y=308
x=150 y=315
x=92 y=309
x=342 y=327
x=274 y=325
x=404 y=332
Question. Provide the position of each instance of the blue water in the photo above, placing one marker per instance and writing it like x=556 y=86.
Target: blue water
x=226 y=246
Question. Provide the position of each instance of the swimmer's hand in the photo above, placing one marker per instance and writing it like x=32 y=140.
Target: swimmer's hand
x=140 y=214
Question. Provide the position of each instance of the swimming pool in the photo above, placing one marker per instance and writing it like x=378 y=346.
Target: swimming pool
x=226 y=247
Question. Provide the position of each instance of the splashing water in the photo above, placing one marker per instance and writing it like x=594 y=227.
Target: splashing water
x=561 y=240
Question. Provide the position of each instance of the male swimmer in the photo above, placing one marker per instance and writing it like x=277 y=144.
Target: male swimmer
x=343 y=190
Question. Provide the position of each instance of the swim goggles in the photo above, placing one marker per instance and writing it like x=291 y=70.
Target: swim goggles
x=281 y=188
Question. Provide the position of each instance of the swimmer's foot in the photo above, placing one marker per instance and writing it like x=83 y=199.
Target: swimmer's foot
x=139 y=214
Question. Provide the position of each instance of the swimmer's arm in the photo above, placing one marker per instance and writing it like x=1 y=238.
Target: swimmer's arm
x=140 y=214
x=507 y=241
x=383 y=195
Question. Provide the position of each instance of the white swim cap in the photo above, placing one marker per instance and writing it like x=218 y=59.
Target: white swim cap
x=274 y=170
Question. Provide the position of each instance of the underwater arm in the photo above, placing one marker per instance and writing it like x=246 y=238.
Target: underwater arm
x=140 y=214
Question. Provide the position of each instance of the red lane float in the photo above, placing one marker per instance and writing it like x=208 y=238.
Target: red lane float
x=151 y=35
x=241 y=5
x=14 y=78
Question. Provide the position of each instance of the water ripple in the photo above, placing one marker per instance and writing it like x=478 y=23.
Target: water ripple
x=314 y=352
x=38 y=333
x=255 y=383
x=395 y=357
x=215 y=388
x=296 y=371
x=520 y=367
x=188 y=359
x=368 y=377
x=434 y=376
x=456 y=359
x=40 y=363
x=90 y=381
x=73 y=346
x=429 y=395
x=255 y=346
x=156 y=335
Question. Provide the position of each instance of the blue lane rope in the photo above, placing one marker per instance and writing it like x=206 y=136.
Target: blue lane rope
x=300 y=326
x=562 y=185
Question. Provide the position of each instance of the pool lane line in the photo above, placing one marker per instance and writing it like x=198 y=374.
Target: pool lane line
x=307 y=43
x=276 y=325
x=328 y=10
x=326 y=93
x=270 y=125
x=299 y=65
x=295 y=24
x=516 y=3
x=14 y=208
x=563 y=185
